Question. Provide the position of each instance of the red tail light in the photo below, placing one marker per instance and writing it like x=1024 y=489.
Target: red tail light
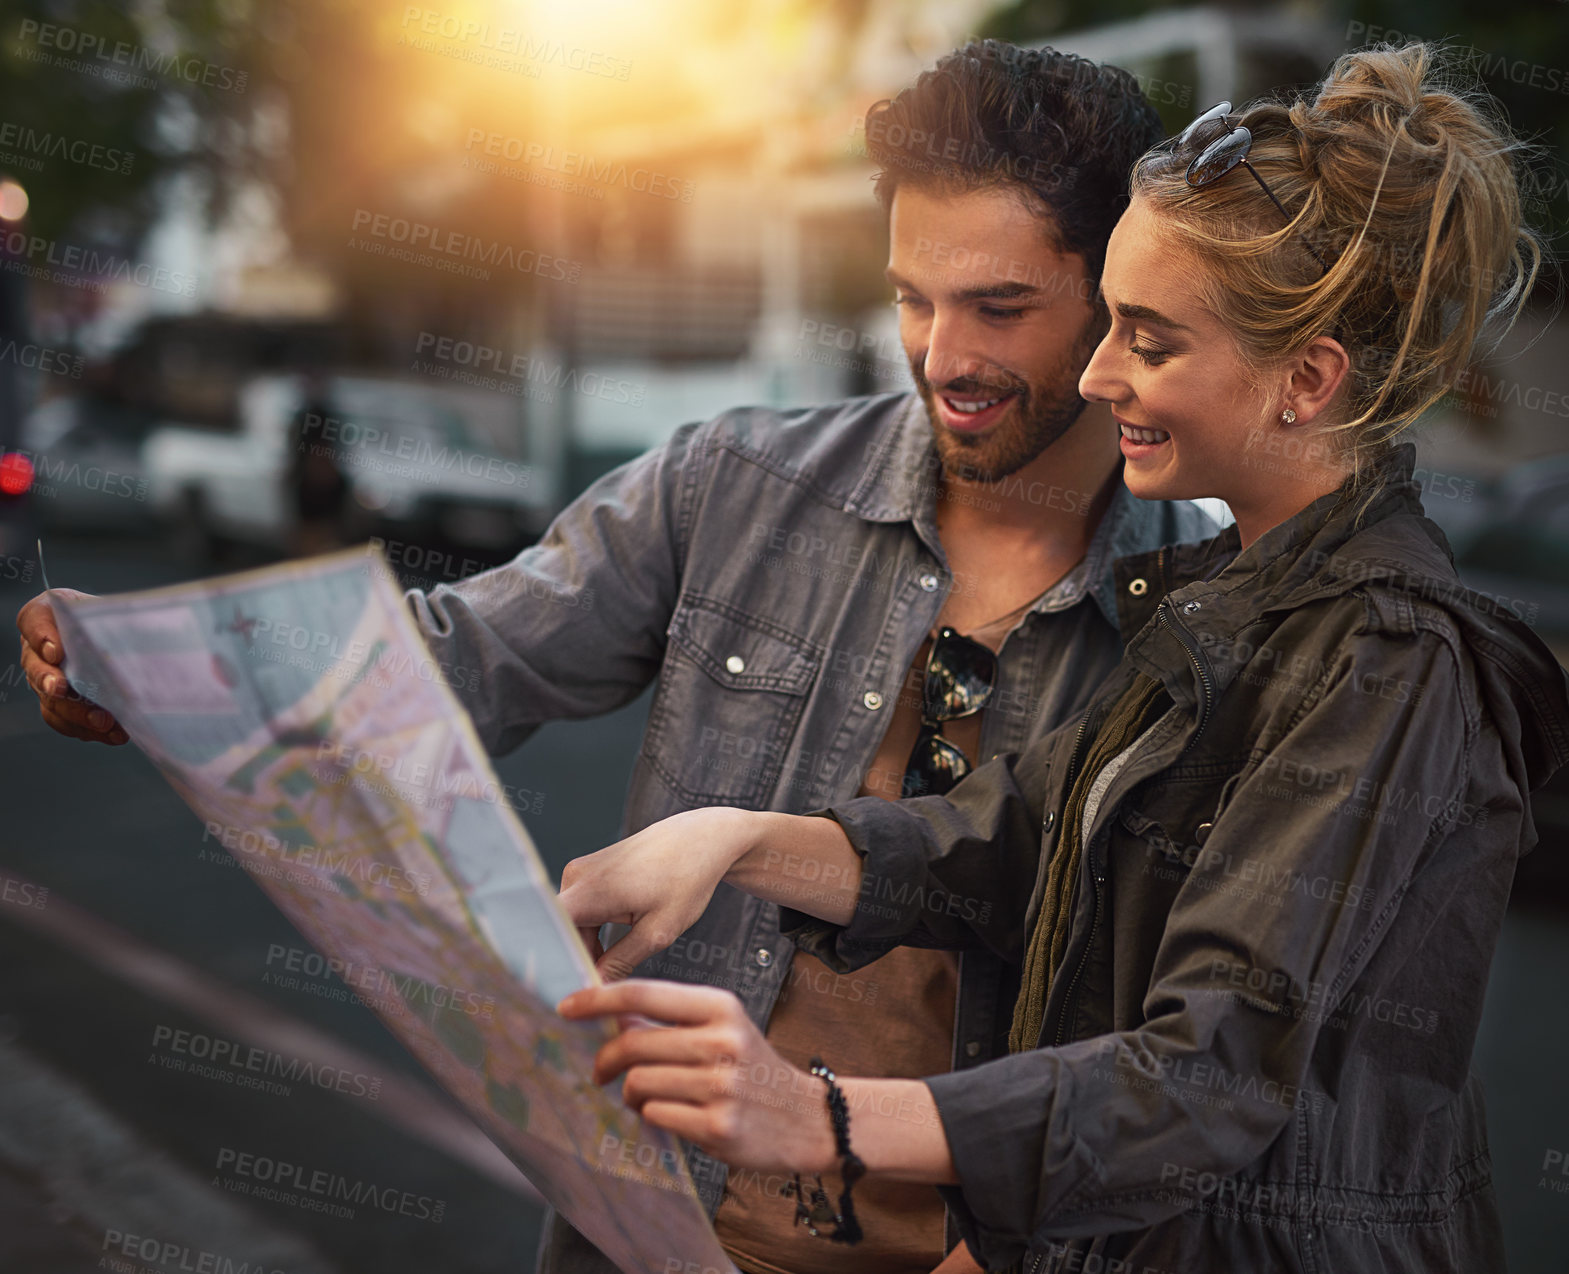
x=16 y=474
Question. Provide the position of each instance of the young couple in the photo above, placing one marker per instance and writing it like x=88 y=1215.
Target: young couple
x=1208 y=932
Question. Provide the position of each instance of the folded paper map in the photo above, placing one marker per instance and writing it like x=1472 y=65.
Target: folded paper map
x=298 y=712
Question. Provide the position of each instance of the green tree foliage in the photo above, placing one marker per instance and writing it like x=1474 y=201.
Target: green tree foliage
x=102 y=103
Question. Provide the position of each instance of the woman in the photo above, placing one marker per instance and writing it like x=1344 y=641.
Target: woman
x=1254 y=893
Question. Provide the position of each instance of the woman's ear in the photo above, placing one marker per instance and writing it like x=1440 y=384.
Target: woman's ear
x=1315 y=378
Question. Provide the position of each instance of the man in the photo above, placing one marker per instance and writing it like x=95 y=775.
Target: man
x=786 y=575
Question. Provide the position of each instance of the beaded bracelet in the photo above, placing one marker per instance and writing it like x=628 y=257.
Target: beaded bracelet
x=846 y=1228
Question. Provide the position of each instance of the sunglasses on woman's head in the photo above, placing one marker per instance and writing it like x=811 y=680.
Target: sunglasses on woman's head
x=1227 y=146
x=960 y=676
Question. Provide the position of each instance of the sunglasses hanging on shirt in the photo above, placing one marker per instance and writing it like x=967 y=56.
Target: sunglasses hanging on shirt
x=960 y=676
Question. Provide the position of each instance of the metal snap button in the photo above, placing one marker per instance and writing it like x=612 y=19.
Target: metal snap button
x=764 y=957
x=929 y=582
x=972 y=1048
x=1202 y=831
x=872 y=700
x=735 y=664
x=1049 y=821
x=1189 y=607
x=1138 y=587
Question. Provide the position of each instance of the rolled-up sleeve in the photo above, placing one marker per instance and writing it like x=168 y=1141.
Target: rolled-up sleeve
x=575 y=625
x=951 y=871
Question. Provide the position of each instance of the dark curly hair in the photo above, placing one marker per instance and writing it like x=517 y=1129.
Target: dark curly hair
x=1063 y=130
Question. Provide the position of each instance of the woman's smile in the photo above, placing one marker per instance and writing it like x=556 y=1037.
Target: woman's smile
x=1137 y=442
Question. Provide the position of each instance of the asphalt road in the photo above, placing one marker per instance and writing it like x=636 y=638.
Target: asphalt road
x=112 y=1156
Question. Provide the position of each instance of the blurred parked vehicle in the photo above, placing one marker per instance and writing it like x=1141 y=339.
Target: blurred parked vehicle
x=88 y=475
x=426 y=465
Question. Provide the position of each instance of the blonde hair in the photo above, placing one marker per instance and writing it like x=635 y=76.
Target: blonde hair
x=1407 y=186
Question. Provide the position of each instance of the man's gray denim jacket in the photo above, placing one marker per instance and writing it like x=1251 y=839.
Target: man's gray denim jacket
x=777 y=571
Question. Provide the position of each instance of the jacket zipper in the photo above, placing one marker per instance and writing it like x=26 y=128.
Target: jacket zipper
x=1036 y=1261
x=1096 y=879
x=1078 y=742
x=1073 y=772
x=1165 y=619
x=1084 y=956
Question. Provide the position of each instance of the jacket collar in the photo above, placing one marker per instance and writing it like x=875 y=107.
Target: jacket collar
x=1286 y=566
x=1332 y=545
x=1340 y=542
x=1206 y=593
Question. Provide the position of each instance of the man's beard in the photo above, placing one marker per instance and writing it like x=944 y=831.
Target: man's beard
x=1036 y=418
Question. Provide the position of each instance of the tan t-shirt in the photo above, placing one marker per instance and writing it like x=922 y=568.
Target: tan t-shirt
x=892 y=1017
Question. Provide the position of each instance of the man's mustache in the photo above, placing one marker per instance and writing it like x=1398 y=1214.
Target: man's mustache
x=969 y=386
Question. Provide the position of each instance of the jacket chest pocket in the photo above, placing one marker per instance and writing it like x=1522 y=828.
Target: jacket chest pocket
x=731 y=693
x=1170 y=824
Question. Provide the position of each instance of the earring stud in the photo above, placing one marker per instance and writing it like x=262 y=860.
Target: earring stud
x=1288 y=417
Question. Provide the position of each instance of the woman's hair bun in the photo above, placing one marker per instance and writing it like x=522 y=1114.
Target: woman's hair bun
x=1407 y=241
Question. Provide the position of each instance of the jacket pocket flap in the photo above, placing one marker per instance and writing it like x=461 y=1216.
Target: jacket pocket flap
x=741 y=651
